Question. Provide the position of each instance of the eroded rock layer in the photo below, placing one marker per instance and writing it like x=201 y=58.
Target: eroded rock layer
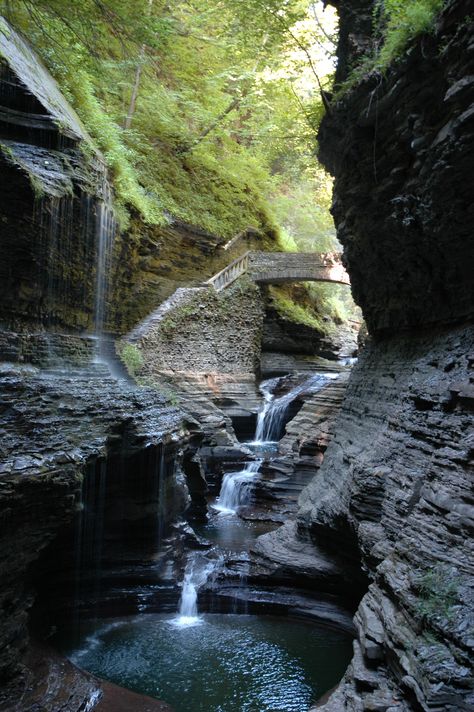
x=59 y=430
x=398 y=479
x=401 y=148
x=396 y=482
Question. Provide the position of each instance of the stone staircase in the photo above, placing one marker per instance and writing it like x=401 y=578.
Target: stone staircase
x=262 y=268
x=178 y=299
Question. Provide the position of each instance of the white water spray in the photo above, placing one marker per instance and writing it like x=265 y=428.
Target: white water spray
x=236 y=488
x=197 y=572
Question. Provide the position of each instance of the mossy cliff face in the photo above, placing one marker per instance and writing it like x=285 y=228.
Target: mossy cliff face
x=55 y=192
x=395 y=483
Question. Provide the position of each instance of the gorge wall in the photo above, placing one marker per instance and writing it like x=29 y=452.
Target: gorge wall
x=55 y=203
x=397 y=480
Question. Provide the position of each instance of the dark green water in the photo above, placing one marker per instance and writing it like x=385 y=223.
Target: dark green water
x=228 y=663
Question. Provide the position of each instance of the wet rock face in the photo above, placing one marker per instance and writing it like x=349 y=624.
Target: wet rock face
x=54 y=424
x=398 y=478
x=401 y=150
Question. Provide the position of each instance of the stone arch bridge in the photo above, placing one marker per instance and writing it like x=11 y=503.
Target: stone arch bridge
x=261 y=268
x=281 y=267
x=207 y=339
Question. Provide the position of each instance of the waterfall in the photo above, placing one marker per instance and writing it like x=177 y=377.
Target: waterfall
x=273 y=416
x=89 y=536
x=197 y=573
x=105 y=231
x=236 y=488
x=266 y=388
x=188 y=612
x=161 y=496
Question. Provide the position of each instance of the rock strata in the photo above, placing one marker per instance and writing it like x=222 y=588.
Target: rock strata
x=55 y=426
x=397 y=479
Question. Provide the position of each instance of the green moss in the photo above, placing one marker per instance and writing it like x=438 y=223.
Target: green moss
x=438 y=589
x=131 y=357
x=298 y=313
x=396 y=24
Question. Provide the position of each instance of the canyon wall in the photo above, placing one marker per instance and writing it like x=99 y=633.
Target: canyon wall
x=203 y=331
x=56 y=205
x=397 y=479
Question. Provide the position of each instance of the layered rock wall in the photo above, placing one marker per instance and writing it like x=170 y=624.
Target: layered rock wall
x=53 y=425
x=396 y=481
x=401 y=149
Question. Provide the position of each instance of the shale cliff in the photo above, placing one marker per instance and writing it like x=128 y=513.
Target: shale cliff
x=396 y=483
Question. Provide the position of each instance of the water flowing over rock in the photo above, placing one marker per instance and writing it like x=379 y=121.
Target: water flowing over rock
x=196 y=575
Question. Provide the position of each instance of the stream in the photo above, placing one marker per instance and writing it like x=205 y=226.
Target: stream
x=205 y=661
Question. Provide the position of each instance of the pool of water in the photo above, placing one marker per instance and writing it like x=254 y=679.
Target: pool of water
x=227 y=663
x=230 y=532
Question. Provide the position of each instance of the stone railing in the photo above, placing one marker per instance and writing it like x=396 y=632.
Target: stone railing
x=229 y=274
x=280 y=267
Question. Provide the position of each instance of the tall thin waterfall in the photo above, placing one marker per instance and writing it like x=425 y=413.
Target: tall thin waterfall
x=106 y=228
x=89 y=535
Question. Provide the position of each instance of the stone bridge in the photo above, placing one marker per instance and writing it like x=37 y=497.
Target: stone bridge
x=208 y=330
x=280 y=267
x=262 y=268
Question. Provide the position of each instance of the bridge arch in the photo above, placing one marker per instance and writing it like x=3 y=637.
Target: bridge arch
x=283 y=267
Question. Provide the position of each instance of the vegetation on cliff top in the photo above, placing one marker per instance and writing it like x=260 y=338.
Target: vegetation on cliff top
x=204 y=111
x=399 y=21
x=395 y=24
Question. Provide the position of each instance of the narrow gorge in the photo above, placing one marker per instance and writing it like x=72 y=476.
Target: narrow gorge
x=226 y=484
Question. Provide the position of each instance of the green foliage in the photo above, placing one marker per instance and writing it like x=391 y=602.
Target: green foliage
x=404 y=20
x=396 y=24
x=132 y=358
x=286 y=242
x=438 y=588
x=318 y=305
x=226 y=108
x=206 y=112
x=289 y=309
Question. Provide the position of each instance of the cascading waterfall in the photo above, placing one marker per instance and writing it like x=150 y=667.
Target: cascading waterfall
x=274 y=414
x=198 y=570
x=266 y=389
x=236 y=489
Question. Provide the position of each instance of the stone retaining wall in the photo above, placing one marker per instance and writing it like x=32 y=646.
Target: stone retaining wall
x=208 y=333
